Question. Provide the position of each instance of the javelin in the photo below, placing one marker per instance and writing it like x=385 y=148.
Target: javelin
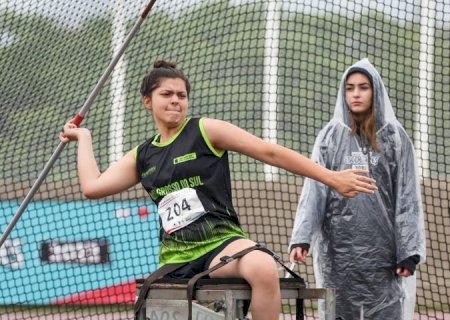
x=77 y=121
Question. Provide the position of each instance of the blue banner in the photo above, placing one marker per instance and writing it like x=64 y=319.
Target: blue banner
x=59 y=250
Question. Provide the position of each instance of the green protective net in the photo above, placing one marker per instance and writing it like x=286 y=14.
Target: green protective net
x=270 y=67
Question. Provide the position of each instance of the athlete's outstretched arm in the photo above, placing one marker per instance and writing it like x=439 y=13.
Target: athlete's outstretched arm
x=226 y=136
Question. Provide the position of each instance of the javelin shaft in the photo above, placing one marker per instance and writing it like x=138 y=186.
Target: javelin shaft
x=32 y=191
x=85 y=108
x=77 y=120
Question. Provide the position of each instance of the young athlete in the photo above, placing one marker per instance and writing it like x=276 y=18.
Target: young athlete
x=184 y=168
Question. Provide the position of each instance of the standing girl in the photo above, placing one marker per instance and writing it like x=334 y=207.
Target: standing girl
x=365 y=247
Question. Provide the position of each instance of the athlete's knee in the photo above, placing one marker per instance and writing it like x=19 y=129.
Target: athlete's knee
x=261 y=269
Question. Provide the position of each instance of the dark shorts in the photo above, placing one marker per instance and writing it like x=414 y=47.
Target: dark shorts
x=199 y=265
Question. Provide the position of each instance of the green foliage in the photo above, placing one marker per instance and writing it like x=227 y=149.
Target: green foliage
x=48 y=71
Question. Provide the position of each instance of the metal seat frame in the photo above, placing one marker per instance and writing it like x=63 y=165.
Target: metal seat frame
x=231 y=294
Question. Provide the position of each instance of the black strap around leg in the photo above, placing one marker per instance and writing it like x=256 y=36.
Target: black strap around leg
x=299 y=303
x=166 y=269
x=225 y=260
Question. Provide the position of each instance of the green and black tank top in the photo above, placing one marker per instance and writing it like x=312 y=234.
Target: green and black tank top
x=190 y=183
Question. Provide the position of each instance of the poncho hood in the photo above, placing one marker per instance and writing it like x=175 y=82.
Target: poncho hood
x=381 y=102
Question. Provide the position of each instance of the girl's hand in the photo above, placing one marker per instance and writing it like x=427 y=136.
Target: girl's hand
x=403 y=272
x=349 y=183
x=71 y=132
x=298 y=255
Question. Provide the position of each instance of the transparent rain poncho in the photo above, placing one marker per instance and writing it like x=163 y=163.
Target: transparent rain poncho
x=357 y=243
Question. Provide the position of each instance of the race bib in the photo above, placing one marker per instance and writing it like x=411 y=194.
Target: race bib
x=358 y=160
x=180 y=208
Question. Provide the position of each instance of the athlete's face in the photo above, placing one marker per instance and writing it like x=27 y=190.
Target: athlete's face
x=168 y=102
x=358 y=94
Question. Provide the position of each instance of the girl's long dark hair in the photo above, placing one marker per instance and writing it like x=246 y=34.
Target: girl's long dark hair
x=366 y=129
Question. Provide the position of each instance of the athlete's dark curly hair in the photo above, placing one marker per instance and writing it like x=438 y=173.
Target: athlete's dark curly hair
x=162 y=69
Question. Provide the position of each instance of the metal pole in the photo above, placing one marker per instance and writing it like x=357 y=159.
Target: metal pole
x=271 y=48
x=117 y=92
x=426 y=79
x=77 y=121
